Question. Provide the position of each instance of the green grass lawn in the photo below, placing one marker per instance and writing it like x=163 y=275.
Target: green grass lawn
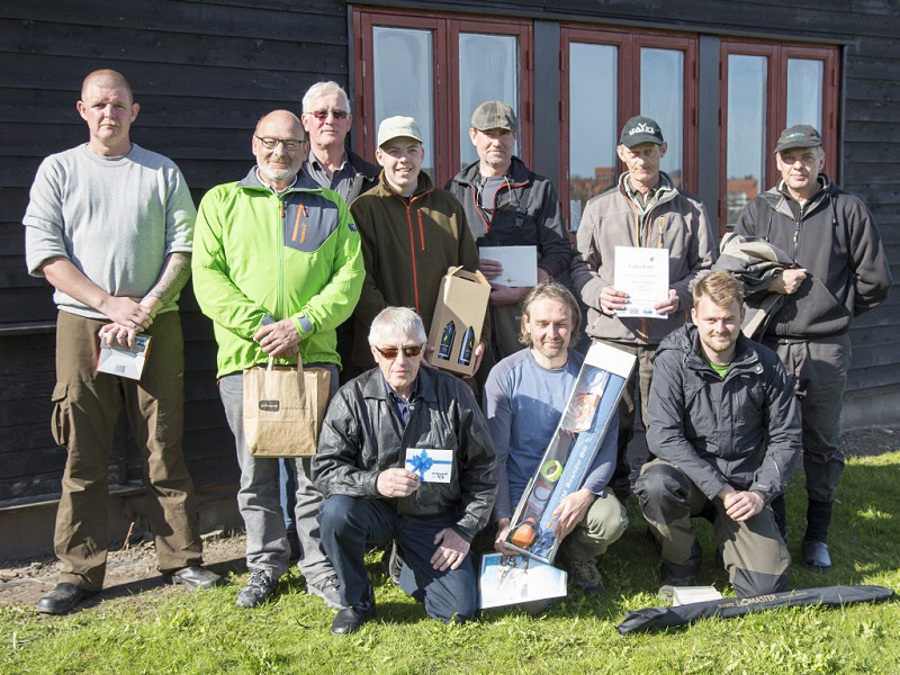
x=171 y=631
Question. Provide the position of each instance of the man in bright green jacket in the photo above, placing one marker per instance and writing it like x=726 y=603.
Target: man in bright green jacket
x=277 y=267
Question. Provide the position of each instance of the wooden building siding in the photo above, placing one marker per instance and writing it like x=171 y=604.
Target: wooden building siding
x=205 y=71
x=203 y=74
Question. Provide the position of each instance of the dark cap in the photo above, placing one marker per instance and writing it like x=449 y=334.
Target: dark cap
x=639 y=130
x=798 y=136
x=494 y=115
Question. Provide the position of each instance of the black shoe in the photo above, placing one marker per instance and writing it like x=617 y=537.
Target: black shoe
x=63 y=598
x=257 y=590
x=816 y=557
x=585 y=575
x=671 y=574
x=196 y=578
x=349 y=620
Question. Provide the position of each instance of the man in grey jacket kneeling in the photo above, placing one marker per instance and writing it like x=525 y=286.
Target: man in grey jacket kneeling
x=390 y=419
x=725 y=428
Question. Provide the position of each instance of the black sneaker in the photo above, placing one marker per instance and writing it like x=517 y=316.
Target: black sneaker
x=257 y=590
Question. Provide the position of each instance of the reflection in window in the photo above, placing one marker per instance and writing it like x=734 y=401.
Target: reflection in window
x=403 y=81
x=488 y=71
x=592 y=123
x=662 y=98
x=746 y=131
x=804 y=92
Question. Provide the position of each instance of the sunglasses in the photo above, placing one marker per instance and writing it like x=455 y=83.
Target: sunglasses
x=391 y=353
x=322 y=115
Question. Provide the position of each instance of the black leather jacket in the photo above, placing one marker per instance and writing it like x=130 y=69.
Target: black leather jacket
x=362 y=435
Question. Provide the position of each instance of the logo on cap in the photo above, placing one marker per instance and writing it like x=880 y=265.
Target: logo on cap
x=642 y=128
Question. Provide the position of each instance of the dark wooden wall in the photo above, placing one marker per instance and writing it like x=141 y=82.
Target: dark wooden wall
x=203 y=72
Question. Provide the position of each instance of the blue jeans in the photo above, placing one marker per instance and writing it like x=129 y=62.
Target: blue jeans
x=348 y=524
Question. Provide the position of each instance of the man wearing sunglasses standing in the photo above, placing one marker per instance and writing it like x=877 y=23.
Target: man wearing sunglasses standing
x=277 y=267
x=394 y=418
x=327 y=120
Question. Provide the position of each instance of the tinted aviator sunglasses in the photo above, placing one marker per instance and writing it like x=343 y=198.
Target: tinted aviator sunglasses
x=322 y=115
x=390 y=353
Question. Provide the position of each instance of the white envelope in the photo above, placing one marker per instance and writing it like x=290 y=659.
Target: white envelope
x=431 y=465
x=519 y=264
x=124 y=361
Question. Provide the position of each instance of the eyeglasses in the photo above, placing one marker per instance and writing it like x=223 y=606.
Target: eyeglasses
x=391 y=353
x=322 y=115
x=290 y=144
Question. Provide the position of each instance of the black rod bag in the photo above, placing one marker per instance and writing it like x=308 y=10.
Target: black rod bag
x=726 y=608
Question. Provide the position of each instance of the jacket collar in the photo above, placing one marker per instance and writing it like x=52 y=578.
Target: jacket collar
x=686 y=339
x=303 y=183
x=518 y=173
x=424 y=185
x=778 y=197
x=374 y=386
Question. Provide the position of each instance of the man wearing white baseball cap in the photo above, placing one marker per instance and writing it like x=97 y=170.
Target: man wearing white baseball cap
x=411 y=233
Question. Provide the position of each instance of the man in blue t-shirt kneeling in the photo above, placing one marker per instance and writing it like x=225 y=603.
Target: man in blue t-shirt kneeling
x=525 y=396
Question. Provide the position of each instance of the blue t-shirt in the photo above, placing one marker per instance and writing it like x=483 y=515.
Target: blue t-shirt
x=523 y=403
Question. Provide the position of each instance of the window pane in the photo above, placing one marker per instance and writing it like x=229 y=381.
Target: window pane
x=746 y=131
x=592 y=123
x=403 y=81
x=662 y=98
x=488 y=71
x=804 y=92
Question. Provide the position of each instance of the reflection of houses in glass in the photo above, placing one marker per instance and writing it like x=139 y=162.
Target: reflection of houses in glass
x=738 y=192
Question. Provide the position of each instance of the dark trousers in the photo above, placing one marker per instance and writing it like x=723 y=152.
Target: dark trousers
x=349 y=524
x=754 y=553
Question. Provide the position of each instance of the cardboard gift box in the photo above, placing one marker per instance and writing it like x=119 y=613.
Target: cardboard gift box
x=571 y=452
x=459 y=316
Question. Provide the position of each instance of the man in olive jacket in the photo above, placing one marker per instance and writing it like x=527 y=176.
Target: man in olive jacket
x=411 y=233
x=394 y=418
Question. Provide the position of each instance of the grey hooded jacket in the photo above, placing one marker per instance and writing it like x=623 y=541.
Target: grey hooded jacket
x=743 y=430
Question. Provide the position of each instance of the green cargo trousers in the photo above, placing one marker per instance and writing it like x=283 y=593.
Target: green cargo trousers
x=86 y=407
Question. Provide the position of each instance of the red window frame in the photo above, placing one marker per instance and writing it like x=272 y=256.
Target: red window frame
x=628 y=96
x=445 y=29
x=776 y=106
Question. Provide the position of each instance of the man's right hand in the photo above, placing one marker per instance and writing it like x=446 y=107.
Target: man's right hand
x=396 y=483
x=126 y=312
x=500 y=540
x=788 y=282
x=612 y=301
x=491 y=269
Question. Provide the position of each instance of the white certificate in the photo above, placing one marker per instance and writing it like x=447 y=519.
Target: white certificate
x=519 y=264
x=642 y=273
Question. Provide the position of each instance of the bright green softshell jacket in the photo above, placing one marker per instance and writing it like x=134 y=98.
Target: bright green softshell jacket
x=294 y=255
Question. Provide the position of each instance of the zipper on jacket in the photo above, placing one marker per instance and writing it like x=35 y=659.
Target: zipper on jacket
x=281 y=281
x=412 y=249
x=421 y=229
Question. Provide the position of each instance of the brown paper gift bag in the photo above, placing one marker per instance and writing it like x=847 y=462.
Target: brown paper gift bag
x=283 y=409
